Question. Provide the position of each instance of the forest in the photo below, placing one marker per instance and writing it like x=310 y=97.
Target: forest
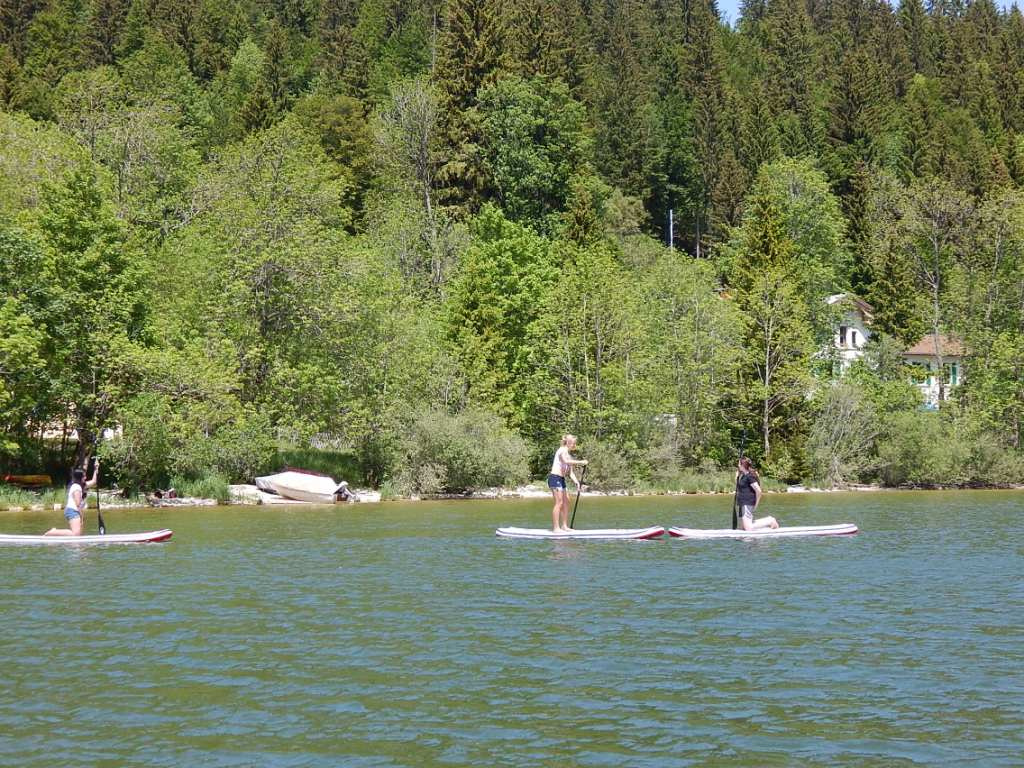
x=428 y=237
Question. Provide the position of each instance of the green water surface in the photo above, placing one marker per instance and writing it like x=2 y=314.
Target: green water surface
x=408 y=635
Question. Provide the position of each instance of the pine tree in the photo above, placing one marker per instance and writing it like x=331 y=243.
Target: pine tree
x=622 y=97
x=857 y=209
x=106 y=22
x=547 y=37
x=471 y=50
x=702 y=75
x=794 y=76
x=277 y=68
x=258 y=111
x=887 y=46
x=759 y=137
x=334 y=32
x=914 y=24
x=471 y=54
x=779 y=340
x=892 y=295
x=15 y=19
x=727 y=196
x=1007 y=63
x=925 y=141
x=765 y=244
x=10 y=79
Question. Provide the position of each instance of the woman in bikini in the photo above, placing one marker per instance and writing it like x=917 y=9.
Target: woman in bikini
x=561 y=466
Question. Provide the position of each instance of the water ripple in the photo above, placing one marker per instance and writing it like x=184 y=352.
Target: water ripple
x=411 y=636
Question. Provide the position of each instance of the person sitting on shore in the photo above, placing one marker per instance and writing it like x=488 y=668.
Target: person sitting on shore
x=74 y=507
x=748 y=496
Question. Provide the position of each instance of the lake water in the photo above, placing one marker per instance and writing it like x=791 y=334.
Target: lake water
x=408 y=635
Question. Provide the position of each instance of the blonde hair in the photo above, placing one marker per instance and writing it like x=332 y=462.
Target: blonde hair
x=567 y=438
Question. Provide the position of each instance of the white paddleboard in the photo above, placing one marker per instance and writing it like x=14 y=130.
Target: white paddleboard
x=111 y=538
x=594 y=533
x=843 y=529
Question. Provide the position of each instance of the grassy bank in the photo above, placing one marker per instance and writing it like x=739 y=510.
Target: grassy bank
x=12 y=496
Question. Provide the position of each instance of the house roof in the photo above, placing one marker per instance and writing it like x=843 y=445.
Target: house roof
x=839 y=298
x=948 y=346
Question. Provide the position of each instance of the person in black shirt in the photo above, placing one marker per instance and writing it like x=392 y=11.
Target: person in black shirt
x=748 y=496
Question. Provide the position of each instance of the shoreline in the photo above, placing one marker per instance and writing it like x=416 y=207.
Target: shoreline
x=250 y=495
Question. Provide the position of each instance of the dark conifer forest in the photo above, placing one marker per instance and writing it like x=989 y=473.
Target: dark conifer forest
x=425 y=238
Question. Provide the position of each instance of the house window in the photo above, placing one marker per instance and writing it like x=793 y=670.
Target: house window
x=853 y=338
x=842 y=335
x=951 y=374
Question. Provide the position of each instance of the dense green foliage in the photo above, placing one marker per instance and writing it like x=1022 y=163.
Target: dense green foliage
x=427 y=235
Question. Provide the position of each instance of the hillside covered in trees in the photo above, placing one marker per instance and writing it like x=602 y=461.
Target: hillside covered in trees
x=432 y=234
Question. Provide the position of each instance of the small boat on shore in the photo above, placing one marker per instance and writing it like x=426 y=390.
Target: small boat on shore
x=302 y=486
x=28 y=481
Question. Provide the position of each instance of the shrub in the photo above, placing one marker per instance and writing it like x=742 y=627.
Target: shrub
x=341 y=465
x=441 y=452
x=920 y=448
x=160 y=439
x=842 y=438
x=609 y=469
x=208 y=487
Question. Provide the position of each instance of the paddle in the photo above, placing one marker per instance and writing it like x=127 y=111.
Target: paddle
x=99 y=515
x=736 y=492
x=579 y=488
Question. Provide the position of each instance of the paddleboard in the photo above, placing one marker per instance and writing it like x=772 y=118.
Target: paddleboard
x=843 y=529
x=594 y=533
x=111 y=538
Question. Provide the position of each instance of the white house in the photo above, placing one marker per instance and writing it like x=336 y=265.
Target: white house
x=853 y=330
x=925 y=356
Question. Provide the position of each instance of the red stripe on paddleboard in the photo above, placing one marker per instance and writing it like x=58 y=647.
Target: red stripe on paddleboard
x=653 y=534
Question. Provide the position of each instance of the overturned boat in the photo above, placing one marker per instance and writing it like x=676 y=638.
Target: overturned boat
x=304 y=486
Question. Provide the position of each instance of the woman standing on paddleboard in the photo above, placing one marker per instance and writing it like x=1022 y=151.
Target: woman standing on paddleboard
x=563 y=464
x=74 y=507
x=748 y=496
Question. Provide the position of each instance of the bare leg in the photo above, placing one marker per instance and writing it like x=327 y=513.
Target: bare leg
x=764 y=522
x=555 y=493
x=74 y=529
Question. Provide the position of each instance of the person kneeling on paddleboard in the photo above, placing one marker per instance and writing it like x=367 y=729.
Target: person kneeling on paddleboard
x=74 y=507
x=563 y=464
x=748 y=496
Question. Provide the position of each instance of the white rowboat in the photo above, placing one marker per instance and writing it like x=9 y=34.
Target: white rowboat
x=601 y=534
x=843 y=529
x=300 y=486
x=111 y=538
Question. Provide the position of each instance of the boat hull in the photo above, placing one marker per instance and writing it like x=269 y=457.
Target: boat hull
x=28 y=481
x=300 y=486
